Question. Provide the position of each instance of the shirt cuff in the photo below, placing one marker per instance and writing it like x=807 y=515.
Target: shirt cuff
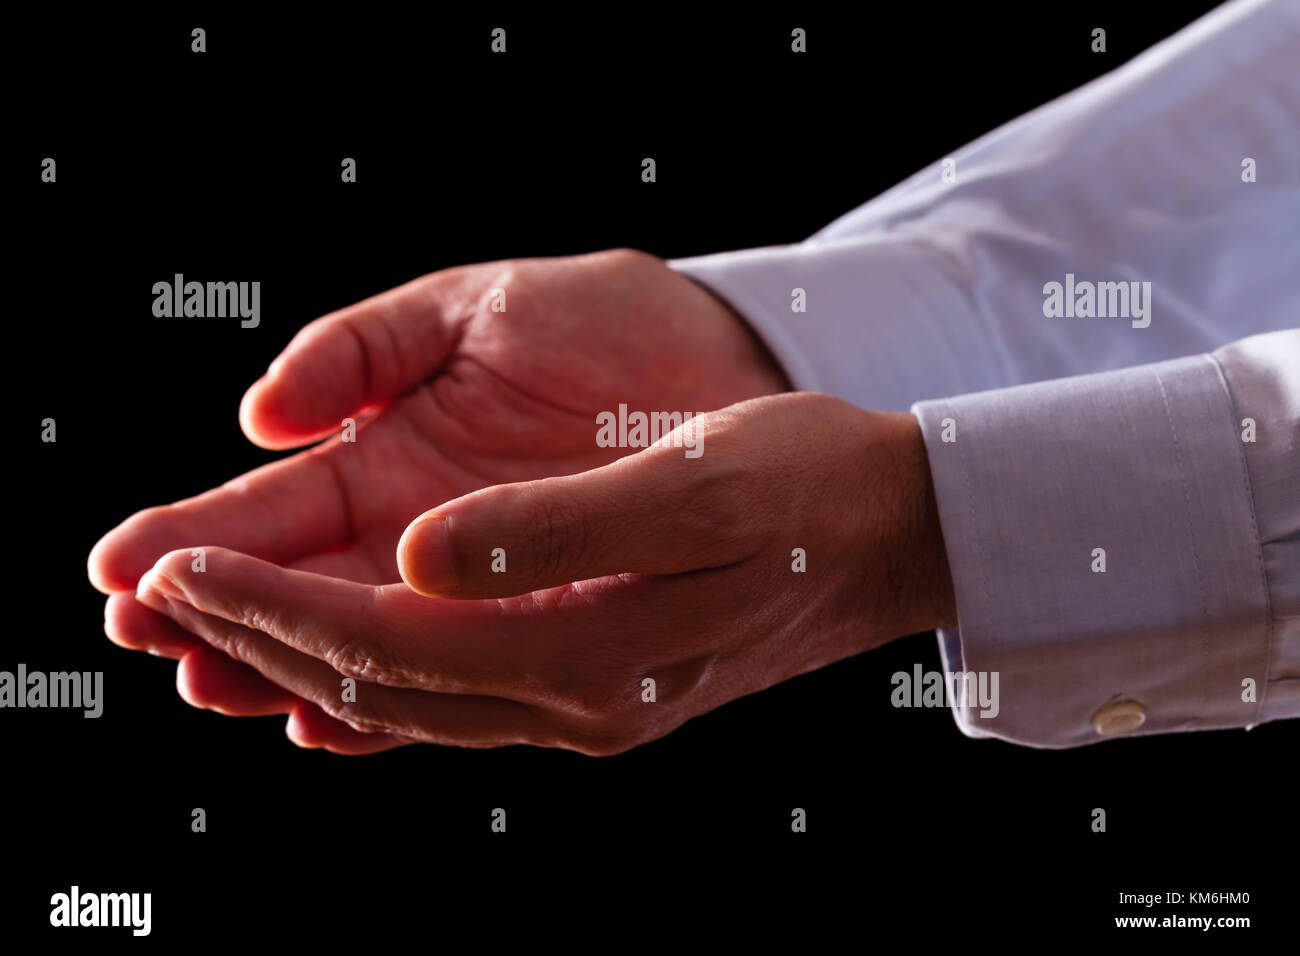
x=897 y=304
x=1104 y=552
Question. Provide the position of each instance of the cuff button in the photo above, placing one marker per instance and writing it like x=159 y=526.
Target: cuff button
x=1115 y=719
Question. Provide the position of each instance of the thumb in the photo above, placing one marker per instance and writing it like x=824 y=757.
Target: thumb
x=654 y=512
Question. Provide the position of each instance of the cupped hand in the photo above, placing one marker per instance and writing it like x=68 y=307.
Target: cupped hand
x=600 y=610
x=463 y=379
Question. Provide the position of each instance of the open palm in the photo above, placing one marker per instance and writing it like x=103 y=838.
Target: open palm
x=465 y=378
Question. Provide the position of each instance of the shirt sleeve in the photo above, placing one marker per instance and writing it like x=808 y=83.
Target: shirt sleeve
x=1125 y=546
x=1178 y=173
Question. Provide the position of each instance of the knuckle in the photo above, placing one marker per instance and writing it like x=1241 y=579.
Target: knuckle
x=359 y=659
x=627 y=256
x=260 y=619
x=722 y=511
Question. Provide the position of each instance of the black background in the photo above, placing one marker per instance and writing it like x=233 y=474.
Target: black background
x=227 y=164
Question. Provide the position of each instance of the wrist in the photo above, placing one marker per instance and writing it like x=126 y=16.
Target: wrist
x=926 y=599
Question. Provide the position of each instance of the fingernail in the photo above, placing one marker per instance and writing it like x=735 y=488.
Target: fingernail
x=426 y=556
x=155 y=584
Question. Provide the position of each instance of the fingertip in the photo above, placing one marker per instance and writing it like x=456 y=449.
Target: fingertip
x=311 y=728
x=262 y=422
x=136 y=627
x=248 y=419
x=164 y=578
x=366 y=747
x=187 y=680
x=99 y=574
x=286 y=408
x=106 y=568
x=424 y=555
x=119 y=558
x=208 y=679
x=298 y=728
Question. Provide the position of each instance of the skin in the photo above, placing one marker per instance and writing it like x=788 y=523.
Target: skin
x=622 y=565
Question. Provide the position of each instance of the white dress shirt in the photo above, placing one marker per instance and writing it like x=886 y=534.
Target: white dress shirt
x=1124 y=555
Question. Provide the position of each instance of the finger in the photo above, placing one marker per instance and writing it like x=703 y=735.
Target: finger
x=466 y=721
x=205 y=678
x=278 y=512
x=386 y=635
x=353 y=359
x=208 y=679
x=130 y=624
x=655 y=512
x=309 y=726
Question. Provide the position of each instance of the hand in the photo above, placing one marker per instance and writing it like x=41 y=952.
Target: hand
x=453 y=396
x=658 y=566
